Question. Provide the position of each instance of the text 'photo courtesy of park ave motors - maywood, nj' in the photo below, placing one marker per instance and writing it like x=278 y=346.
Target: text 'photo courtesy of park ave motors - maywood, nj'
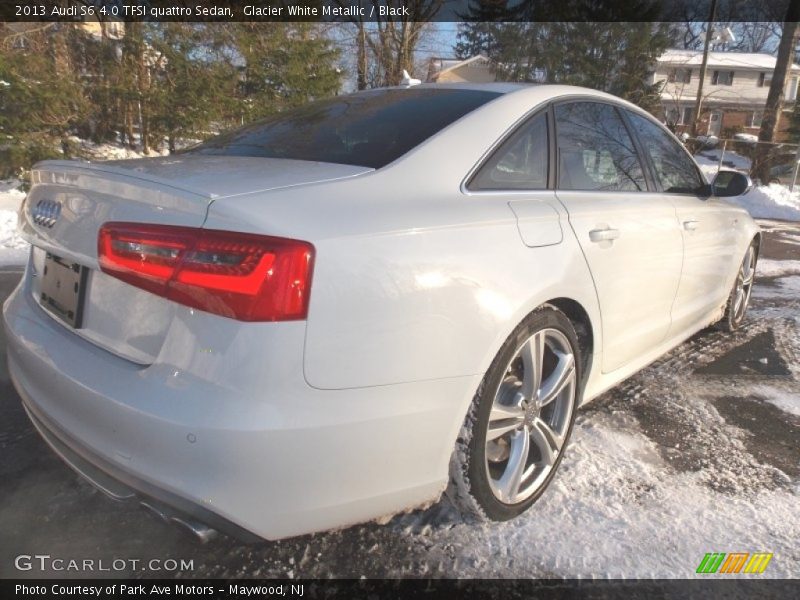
x=232 y=590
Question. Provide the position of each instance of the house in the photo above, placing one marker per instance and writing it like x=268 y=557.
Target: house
x=476 y=69
x=734 y=92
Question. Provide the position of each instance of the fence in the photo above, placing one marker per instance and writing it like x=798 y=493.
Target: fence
x=765 y=162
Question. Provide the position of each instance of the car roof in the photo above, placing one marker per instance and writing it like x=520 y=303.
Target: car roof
x=499 y=88
x=551 y=90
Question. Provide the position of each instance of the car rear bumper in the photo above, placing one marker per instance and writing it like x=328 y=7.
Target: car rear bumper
x=224 y=428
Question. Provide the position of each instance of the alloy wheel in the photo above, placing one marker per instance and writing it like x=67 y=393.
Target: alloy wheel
x=744 y=284
x=530 y=416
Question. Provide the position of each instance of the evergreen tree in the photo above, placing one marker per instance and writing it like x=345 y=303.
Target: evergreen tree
x=41 y=98
x=284 y=65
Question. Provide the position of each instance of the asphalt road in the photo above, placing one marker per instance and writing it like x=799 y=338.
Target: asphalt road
x=706 y=418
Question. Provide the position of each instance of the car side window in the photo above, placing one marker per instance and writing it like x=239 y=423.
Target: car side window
x=595 y=151
x=520 y=163
x=674 y=168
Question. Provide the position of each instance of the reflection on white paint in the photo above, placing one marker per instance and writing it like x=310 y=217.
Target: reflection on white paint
x=431 y=279
x=495 y=304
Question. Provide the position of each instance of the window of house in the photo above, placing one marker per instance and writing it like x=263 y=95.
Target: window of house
x=520 y=163
x=764 y=79
x=674 y=168
x=680 y=76
x=595 y=151
x=755 y=118
x=722 y=78
x=687 y=115
x=673 y=116
x=791 y=90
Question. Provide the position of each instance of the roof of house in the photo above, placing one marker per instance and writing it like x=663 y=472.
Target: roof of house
x=448 y=64
x=731 y=60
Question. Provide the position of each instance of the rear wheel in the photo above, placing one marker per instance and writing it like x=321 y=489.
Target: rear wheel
x=515 y=433
x=739 y=299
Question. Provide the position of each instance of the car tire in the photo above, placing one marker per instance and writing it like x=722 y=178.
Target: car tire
x=739 y=298
x=520 y=420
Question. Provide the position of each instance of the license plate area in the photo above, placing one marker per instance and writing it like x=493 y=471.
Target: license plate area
x=62 y=289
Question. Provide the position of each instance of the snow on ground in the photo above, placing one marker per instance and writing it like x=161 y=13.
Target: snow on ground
x=95 y=151
x=709 y=161
x=617 y=510
x=786 y=287
x=787 y=402
x=773 y=201
x=777 y=268
x=13 y=249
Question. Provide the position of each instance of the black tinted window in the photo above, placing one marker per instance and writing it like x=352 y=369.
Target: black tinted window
x=369 y=129
x=520 y=162
x=674 y=168
x=595 y=151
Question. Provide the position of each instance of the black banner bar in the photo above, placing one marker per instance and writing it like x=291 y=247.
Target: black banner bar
x=345 y=11
x=410 y=589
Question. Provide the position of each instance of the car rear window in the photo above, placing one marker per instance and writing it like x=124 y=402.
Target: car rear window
x=369 y=129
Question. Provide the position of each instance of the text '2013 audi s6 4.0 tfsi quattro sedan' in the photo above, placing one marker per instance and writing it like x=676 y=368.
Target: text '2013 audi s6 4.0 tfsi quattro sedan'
x=337 y=313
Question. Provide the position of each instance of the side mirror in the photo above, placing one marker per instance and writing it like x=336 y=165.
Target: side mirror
x=730 y=183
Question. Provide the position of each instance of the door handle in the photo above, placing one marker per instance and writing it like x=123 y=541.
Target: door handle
x=603 y=235
x=691 y=225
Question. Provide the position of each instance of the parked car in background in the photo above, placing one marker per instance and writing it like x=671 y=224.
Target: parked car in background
x=783 y=174
x=337 y=313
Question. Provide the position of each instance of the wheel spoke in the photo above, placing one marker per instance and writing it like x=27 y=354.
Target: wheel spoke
x=738 y=301
x=532 y=359
x=511 y=480
x=563 y=374
x=749 y=279
x=503 y=419
x=547 y=440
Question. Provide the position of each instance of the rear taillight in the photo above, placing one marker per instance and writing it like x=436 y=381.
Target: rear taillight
x=238 y=275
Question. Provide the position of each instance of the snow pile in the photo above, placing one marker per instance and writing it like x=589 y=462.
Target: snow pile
x=92 y=151
x=773 y=201
x=13 y=249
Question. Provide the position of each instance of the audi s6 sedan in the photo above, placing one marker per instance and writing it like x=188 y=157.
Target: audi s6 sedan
x=337 y=313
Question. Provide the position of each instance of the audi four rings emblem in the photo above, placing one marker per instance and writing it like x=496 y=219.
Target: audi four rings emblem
x=46 y=213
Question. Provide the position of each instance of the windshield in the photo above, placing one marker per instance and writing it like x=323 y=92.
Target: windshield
x=369 y=129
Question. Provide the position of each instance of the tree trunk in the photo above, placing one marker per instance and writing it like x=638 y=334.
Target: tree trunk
x=361 y=66
x=772 y=111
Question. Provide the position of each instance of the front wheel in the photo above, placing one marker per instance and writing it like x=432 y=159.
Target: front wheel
x=739 y=298
x=516 y=431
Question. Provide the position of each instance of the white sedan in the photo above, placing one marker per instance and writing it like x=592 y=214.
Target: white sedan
x=338 y=313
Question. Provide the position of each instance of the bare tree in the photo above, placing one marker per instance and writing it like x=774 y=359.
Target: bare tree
x=386 y=46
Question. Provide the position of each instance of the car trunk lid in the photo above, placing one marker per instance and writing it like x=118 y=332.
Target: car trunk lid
x=69 y=201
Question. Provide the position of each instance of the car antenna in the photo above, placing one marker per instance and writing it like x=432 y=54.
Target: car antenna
x=408 y=81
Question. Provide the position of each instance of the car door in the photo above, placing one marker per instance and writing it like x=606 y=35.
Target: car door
x=629 y=234
x=708 y=228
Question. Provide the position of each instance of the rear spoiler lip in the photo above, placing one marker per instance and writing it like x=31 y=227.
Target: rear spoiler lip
x=91 y=167
x=86 y=166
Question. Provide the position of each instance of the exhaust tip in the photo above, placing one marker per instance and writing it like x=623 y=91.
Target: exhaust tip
x=200 y=531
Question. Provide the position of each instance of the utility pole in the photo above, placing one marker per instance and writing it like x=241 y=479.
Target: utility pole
x=698 y=105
